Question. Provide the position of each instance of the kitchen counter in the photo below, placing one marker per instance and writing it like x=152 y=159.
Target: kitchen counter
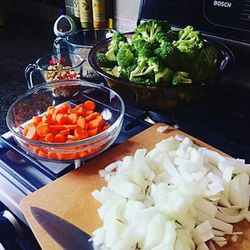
x=23 y=40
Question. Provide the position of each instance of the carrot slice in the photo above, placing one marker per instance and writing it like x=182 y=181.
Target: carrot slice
x=49 y=137
x=37 y=119
x=42 y=153
x=82 y=154
x=42 y=129
x=59 y=138
x=93 y=124
x=105 y=127
x=81 y=122
x=80 y=133
x=92 y=132
x=31 y=133
x=73 y=118
x=102 y=123
x=65 y=106
x=73 y=126
x=81 y=111
x=51 y=155
x=91 y=116
x=36 y=150
x=57 y=127
x=89 y=105
x=65 y=132
x=62 y=119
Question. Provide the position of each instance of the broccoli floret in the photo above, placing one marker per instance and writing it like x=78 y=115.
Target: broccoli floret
x=149 y=29
x=169 y=55
x=170 y=36
x=141 y=69
x=189 y=41
x=104 y=62
x=146 y=67
x=117 y=40
x=181 y=77
x=204 y=66
x=143 y=48
x=125 y=73
x=116 y=71
x=125 y=56
x=164 y=75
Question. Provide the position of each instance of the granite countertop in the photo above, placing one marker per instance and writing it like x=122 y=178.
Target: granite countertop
x=23 y=40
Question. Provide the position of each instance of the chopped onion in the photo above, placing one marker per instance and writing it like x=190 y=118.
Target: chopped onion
x=176 y=196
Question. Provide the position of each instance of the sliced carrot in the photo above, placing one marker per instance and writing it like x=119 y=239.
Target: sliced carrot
x=105 y=127
x=65 y=132
x=73 y=126
x=80 y=133
x=73 y=118
x=93 y=124
x=50 y=109
x=59 y=138
x=89 y=105
x=43 y=153
x=49 y=137
x=81 y=122
x=82 y=154
x=42 y=129
x=37 y=119
x=81 y=111
x=62 y=119
x=79 y=106
x=65 y=106
x=61 y=156
x=52 y=155
x=88 y=112
x=102 y=123
x=36 y=149
x=91 y=116
x=92 y=132
x=47 y=120
x=32 y=133
x=65 y=124
x=57 y=127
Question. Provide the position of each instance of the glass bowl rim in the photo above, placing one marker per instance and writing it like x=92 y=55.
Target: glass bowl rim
x=71 y=144
x=68 y=37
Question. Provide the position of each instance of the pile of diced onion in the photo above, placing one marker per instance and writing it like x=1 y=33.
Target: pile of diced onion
x=177 y=196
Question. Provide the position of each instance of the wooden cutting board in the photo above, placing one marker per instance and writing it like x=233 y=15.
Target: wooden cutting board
x=70 y=196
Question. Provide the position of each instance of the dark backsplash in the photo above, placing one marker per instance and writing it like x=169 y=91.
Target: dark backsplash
x=23 y=40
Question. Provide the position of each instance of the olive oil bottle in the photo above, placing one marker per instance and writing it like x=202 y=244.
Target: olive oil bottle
x=99 y=15
x=85 y=8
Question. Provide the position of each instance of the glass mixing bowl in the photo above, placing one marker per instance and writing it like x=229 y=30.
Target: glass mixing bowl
x=163 y=98
x=35 y=103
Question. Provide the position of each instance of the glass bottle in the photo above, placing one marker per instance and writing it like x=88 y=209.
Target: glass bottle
x=85 y=7
x=99 y=16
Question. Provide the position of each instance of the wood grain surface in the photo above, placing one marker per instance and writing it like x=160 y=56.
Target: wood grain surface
x=70 y=197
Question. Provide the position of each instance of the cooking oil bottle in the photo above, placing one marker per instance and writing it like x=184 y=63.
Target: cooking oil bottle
x=99 y=16
x=85 y=8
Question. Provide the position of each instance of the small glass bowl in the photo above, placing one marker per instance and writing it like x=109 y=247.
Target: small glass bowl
x=36 y=101
x=56 y=67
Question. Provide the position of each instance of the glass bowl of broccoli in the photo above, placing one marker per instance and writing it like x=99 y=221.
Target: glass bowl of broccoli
x=159 y=68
